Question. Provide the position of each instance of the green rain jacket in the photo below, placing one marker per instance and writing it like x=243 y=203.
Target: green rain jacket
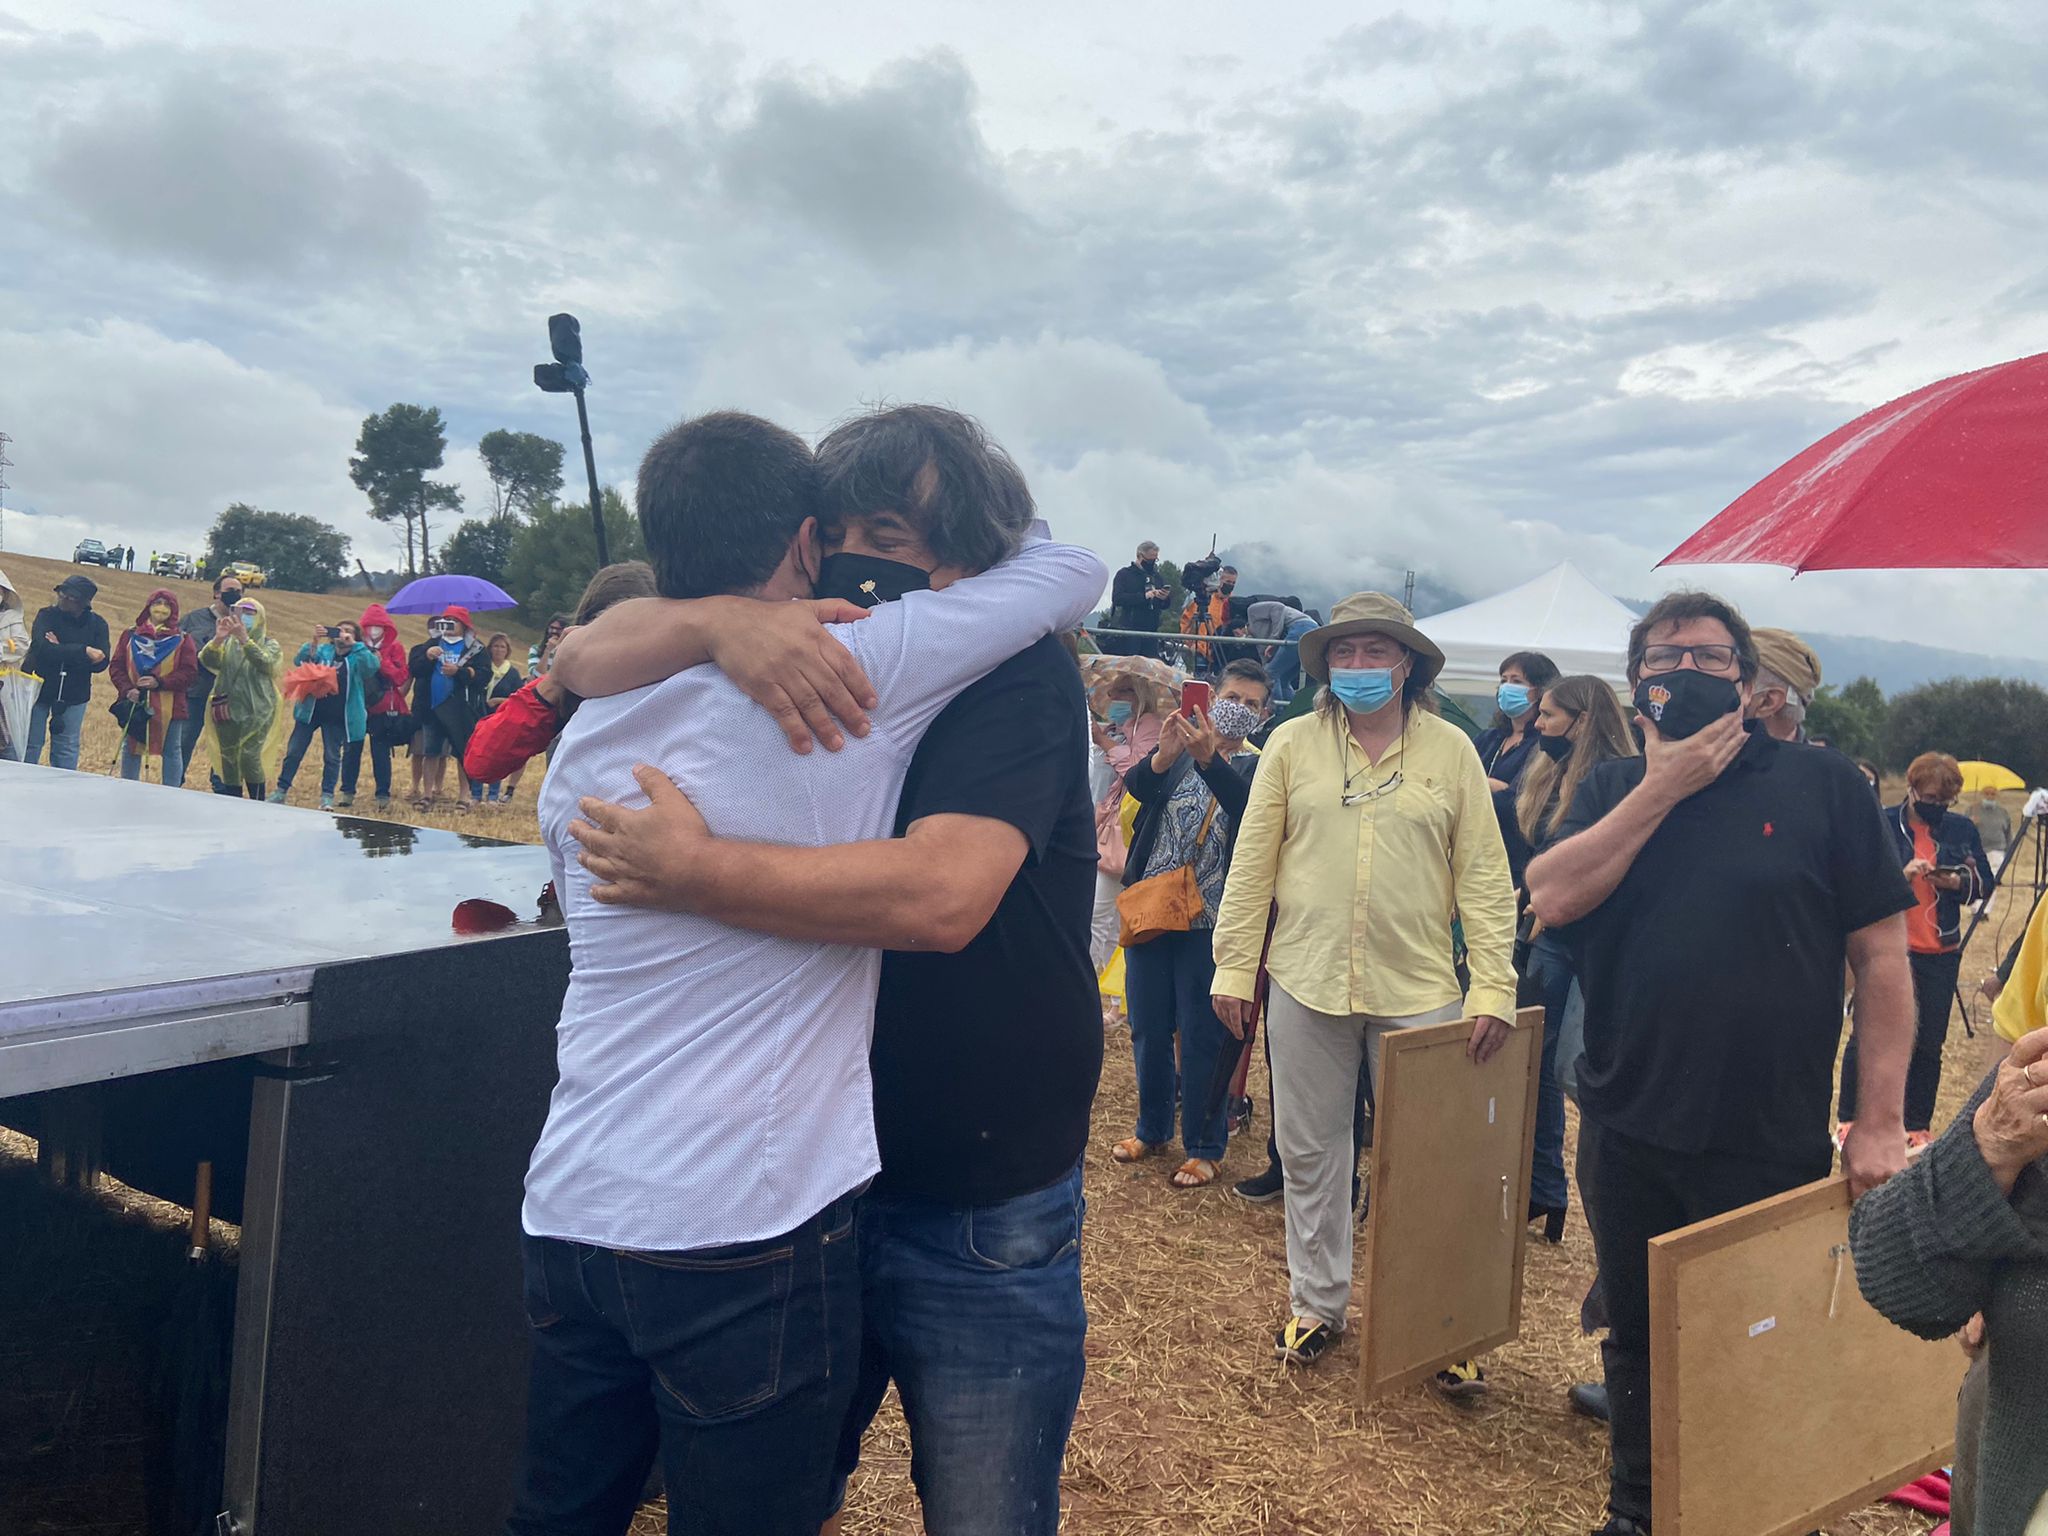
x=245 y=692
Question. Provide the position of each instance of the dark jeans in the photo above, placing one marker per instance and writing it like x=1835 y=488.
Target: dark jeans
x=976 y=1314
x=1127 y=645
x=1167 y=982
x=1934 y=990
x=1633 y=1192
x=1550 y=974
x=380 y=762
x=332 y=734
x=735 y=1363
x=1361 y=1112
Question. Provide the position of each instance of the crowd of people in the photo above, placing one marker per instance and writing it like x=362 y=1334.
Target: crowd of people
x=218 y=675
x=847 y=832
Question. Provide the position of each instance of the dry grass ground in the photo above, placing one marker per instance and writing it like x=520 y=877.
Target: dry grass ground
x=1187 y=1426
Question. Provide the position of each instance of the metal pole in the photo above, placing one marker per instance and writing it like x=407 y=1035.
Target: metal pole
x=604 y=554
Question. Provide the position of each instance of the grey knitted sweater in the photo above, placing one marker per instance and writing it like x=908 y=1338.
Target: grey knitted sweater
x=1939 y=1243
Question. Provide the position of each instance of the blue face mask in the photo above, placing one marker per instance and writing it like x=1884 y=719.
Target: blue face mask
x=1119 y=711
x=1362 y=690
x=1514 y=700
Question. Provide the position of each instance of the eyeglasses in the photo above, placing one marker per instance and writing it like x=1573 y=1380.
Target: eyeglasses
x=1708 y=658
x=1348 y=796
x=1352 y=796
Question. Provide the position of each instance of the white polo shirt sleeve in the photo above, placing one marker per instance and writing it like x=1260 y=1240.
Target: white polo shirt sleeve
x=921 y=651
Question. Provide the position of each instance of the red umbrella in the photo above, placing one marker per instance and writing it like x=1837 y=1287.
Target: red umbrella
x=1952 y=476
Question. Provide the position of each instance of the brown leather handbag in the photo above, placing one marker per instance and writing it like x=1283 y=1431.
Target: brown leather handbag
x=1164 y=903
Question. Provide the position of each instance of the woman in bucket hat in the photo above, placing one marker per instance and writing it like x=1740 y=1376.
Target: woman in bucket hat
x=1370 y=827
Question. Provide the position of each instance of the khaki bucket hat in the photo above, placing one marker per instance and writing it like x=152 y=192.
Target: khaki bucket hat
x=1370 y=613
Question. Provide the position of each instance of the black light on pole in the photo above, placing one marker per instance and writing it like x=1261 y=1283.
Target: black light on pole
x=567 y=376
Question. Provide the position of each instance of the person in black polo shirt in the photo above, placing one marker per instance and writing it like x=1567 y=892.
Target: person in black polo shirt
x=988 y=1024
x=1711 y=891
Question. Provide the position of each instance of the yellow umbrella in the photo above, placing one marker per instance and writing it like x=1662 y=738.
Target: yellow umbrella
x=1980 y=776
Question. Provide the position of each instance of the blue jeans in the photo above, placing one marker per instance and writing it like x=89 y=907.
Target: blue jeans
x=1167 y=981
x=173 y=764
x=976 y=1314
x=734 y=1363
x=332 y=734
x=65 y=723
x=1285 y=667
x=1550 y=968
x=186 y=734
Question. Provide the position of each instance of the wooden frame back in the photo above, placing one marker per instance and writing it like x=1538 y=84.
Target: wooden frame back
x=1453 y=1145
x=1779 y=1398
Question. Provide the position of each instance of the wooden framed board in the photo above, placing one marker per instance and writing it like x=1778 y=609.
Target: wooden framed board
x=1779 y=1398
x=1452 y=1148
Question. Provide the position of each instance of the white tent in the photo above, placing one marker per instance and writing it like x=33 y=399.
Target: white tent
x=1561 y=613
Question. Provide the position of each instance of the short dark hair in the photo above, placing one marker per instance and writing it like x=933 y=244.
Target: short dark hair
x=1230 y=568
x=1682 y=608
x=613 y=584
x=720 y=499
x=1249 y=671
x=223 y=576
x=938 y=469
x=1538 y=668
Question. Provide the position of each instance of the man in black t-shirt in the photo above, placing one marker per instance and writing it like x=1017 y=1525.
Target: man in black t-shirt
x=1711 y=891
x=988 y=1025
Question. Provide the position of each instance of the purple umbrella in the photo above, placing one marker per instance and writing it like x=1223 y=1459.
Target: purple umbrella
x=430 y=594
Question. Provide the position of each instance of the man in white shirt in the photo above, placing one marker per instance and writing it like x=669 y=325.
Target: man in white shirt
x=690 y=1273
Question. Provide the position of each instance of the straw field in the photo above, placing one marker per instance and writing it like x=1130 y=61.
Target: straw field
x=1187 y=1426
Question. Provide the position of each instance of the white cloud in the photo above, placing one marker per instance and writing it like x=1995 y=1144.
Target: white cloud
x=132 y=437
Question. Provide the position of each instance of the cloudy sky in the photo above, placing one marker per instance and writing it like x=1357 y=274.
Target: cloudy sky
x=1467 y=288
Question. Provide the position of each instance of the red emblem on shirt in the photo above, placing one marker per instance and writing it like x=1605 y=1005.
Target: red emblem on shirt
x=1767 y=829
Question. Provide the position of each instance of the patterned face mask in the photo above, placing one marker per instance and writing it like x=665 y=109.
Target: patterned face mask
x=1233 y=721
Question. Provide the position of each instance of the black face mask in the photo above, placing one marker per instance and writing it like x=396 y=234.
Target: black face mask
x=229 y=596
x=1148 y=566
x=869 y=580
x=1685 y=702
x=1929 y=813
x=1556 y=748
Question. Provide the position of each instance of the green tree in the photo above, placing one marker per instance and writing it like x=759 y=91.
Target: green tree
x=525 y=470
x=394 y=452
x=300 y=554
x=1998 y=719
x=481 y=547
x=554 y=552
x=1851 y=718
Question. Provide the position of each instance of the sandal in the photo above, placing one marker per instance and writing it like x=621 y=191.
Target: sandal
x=419 y=802
x=1132 y=1150
x=1193 y=1174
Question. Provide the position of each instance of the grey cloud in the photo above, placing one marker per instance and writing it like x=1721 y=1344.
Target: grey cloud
x=895 y=170
x=1398 y=39
x=225 y=178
